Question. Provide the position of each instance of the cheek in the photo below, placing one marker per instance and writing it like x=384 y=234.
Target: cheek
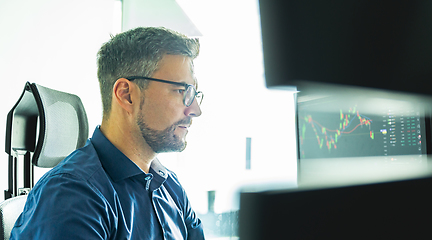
x=160 y=115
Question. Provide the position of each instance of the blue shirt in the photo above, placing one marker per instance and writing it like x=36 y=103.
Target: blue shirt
x=99 y=193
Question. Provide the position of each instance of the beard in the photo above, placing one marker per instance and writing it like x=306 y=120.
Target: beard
x=161 y=141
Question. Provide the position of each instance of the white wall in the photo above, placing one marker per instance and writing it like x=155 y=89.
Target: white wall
x=52 y=43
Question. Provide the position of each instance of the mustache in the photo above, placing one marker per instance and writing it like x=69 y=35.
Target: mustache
x=185 y=121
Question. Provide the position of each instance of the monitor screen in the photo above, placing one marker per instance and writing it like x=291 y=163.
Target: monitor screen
x=337 y=127
x=359 y=137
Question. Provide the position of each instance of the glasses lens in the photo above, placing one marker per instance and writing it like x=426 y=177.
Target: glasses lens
x=199 y=97
x=189 y=95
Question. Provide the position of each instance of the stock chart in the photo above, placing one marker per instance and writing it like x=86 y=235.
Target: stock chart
x=345 y=131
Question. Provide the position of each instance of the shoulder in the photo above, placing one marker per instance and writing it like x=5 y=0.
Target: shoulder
x=76 y=177
x=81 y=170
x=82 y=163
x=70 y=195
x=65 y=207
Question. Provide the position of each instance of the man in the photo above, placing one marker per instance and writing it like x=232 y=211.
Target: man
x=115 y=187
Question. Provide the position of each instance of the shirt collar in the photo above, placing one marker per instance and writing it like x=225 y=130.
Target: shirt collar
x=116 y=164
x=159 y=169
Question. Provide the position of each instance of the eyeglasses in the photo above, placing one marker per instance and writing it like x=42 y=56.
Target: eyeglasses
x=190 y=93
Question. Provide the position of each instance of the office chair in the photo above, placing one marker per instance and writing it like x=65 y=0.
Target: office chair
x=10 y=210
x=42 y=128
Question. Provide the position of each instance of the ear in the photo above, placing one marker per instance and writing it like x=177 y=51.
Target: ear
x=122 y=94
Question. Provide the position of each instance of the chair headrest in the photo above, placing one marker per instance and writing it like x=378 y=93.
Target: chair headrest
x=47 y=122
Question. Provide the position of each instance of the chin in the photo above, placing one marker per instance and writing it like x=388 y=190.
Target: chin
x=173 y=146
x=180 y=146
x=184 y=146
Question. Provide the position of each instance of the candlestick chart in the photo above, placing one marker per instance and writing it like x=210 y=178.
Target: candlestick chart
x=347 y=132
x=335 y=132
x=331 y=136
x=349 y=126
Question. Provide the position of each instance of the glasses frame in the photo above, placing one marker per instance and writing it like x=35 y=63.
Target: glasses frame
x=185 y=85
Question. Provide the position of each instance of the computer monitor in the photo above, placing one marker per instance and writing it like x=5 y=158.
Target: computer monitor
x=360 y=136
x=320 y=46
x=377 y=44
x=391 y=210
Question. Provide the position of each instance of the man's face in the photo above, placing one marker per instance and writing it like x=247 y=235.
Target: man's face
x=164 y=119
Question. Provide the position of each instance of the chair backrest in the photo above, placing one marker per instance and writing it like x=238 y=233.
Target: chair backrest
x=44 y=127
x=63 y=125
x=10 y=210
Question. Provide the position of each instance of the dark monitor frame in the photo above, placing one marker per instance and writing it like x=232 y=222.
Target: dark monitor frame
x=392 y=210
x=376 y=44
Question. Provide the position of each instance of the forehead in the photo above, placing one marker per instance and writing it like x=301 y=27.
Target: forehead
x=176 y=68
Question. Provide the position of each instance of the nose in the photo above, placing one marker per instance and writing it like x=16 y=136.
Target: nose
x=193 y=110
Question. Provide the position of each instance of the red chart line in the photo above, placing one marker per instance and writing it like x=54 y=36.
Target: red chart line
x=330 y=130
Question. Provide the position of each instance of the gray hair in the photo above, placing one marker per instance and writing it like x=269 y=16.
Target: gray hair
x=137 y=52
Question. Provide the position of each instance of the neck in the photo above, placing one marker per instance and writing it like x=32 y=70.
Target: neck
x=130 y=142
